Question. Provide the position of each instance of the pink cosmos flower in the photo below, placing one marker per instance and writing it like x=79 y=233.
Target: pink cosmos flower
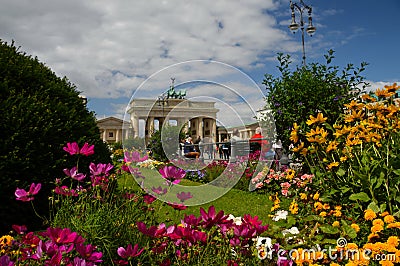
x=87 y=150
x=73 y=173
x=23 y=195
x=129 y=252
x=177 y=206
x=134 y=157
x=100 y=169
x=184 y=196
x=62 y=236
x=88 y=253
x=209 y=219
x=148 y=199
x=73 y=148
x=65 y=191
x=172 y=174
x=159 y=190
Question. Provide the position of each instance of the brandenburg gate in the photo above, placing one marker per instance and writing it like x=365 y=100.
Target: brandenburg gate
x=195 y=118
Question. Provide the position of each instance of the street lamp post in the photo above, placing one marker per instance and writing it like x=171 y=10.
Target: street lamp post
x=294 y=26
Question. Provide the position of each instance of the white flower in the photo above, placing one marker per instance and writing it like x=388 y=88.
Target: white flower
x=236 y=220
x=280 y=215
x=294 y=231
x=264 y=248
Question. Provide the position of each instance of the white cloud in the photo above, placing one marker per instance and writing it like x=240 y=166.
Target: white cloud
x=107 y=48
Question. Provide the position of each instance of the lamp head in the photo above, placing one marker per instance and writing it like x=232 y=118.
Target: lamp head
x=311 y=29
x=294 y=26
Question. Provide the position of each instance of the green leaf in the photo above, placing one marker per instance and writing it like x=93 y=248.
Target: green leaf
x=373 y=206
x=360 y=196
x=397 y=172
x=340 y=172
x=329 y=229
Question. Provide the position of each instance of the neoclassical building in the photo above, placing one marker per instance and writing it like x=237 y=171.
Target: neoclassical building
x=113 y=129
x=196 y=118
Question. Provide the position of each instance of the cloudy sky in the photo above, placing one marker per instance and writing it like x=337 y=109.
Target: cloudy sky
x=117 y=50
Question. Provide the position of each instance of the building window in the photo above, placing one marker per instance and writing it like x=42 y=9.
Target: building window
x=110 y=134
x=206 y=124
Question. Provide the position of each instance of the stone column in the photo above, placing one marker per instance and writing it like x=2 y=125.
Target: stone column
x=213 y=127
x=149 y=126
x=200 y=127
x=104 y=135
x=135 y=125
x=117 y=135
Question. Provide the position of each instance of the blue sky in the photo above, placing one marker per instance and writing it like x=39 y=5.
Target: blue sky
x=115 y=50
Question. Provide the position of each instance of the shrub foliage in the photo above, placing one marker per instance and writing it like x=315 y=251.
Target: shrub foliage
x=39 y=113
x=309 y=89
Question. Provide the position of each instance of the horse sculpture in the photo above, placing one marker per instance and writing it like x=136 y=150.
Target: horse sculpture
x=172 y=94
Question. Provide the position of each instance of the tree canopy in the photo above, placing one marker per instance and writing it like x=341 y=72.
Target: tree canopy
x=310 y=89
x=39 y=112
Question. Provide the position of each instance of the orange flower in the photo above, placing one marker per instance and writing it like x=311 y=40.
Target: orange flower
x=376 y=228
x=393 y=241
x=355 y=227
x=332 y=164
x=369 y=215
x=389 y=219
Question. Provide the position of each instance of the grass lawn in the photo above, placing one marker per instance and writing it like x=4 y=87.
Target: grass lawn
x=235 y=202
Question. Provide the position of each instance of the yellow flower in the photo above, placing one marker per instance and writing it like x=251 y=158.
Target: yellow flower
x=384 y=93
x=323 y=214
x=353 y=116
x=376 y=228
x=318 y=206
x=367 y=97
x=337 y=213
x=369 y=215
x=343 y=158
x=393 y=241
x=316 y=196
x=334 y=264
x=304 y=152
x=294 y=207
x=299 y=147
x=326 y=206
x=319 y=119
x=335 y=224
x=293 y=135
x=389 y=219
x=290 y=174
x=332 y=164
x=355 y=227
x=6 y=240
x=332 y=146
x=303 y=196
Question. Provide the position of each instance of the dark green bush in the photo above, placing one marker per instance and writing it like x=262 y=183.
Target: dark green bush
x=310 y=89
x=39 y=114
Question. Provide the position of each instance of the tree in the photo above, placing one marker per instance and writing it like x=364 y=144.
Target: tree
x=164 y=143
x=310 y=89
x=40 y=113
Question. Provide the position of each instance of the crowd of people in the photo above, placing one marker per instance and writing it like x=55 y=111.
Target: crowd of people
x=199 y=147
